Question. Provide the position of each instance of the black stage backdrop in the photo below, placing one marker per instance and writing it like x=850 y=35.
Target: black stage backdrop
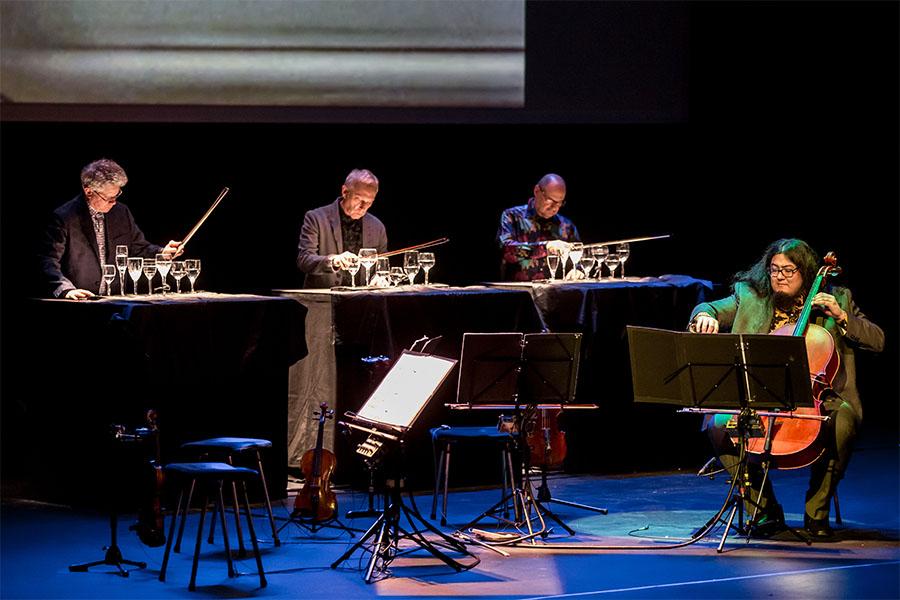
x=726 y=125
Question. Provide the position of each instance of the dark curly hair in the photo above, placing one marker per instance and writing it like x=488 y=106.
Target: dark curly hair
x=798 y=251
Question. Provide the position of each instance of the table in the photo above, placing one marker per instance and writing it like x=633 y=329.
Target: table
x=620 y=436
x=346 y=326
x=210 y=364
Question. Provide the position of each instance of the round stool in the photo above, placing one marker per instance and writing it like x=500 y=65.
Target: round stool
x=226 y=448
x=210 y=476
x=444 y=437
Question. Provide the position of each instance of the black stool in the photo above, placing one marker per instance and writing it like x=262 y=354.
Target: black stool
x=225 y=448
x=210 y=476
x=444 y=437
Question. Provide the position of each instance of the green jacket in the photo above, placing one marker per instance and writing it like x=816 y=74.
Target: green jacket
x=745 y=311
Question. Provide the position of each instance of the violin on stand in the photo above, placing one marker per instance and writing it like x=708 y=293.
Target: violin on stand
x=150 y=527
x=317 y=502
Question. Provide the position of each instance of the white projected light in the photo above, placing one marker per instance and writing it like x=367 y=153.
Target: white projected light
x=410 y=53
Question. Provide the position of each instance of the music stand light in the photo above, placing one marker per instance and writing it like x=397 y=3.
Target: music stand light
x=739 y=374
x=387 y=416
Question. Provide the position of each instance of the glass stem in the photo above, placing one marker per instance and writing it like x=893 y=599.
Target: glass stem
x=122 y=283
x=177 y=285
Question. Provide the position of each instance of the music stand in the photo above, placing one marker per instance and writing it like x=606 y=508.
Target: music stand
x=738 y=374
x=524 y=372
x=387 y=416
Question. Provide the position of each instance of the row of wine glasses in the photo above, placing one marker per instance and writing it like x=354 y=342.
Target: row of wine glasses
x=413 y=262
x=137 y=266
x=586 y=256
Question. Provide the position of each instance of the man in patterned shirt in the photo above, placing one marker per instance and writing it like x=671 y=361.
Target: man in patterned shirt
x=84 y=232
x=531 y=231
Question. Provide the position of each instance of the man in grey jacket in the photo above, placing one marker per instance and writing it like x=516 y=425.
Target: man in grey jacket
x=332 y=235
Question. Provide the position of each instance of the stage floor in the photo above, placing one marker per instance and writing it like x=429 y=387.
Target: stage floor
x=650 y=511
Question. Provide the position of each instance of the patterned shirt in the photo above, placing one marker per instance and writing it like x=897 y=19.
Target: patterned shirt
x=520 y=228
x=99 y=220
x=784 y=317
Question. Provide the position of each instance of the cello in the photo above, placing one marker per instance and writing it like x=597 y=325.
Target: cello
x=795 y=442
x=316 y=501
x=547 y=441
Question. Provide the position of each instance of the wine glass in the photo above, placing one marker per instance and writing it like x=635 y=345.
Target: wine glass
x=600 y=253
x=552 y=264
x=426 y=261
x=411 y=264
x=587 y=263
x=109 y=275
x=163 y=265
x=612 y=261
x=178 y=272
x=397 y=275
x=353 y=264
x=122 y=265
x=624 y=251
x=149 y=273
x=563 y=259
x=135 y=266
x=576 y=250
x=367 y=258
x=383 y=268
x=192 y=267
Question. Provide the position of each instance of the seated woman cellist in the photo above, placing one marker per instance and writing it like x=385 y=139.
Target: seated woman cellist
x=771 y=296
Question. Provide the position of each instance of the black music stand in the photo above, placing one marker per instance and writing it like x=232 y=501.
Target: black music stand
x=524 y=372
x=387 y=416
x=739 y=374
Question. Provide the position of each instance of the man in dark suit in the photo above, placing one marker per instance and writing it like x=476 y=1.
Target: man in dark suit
x=84 y=232
x=332 y=235
x=768 y=296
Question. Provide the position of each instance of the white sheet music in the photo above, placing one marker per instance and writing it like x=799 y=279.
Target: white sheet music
x=406 y=389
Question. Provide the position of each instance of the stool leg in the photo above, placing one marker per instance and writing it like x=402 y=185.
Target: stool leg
x=212 y=525
x=438 y=476
x=193 y=584
x=220 y=506
x=242 y=552
x=259 y=565
x=837 y=510
x=265 y=487
x=512 y=482
x=187 y=506
x=165 y=562
x=446 y=481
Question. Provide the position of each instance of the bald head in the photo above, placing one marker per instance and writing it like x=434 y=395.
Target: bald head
x=549 y=195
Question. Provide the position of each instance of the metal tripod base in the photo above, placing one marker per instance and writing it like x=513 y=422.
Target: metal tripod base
x=113 y=555
x=387 y=533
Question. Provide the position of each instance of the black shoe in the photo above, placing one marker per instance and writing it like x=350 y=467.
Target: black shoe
x=818 y=530
x=770 y=523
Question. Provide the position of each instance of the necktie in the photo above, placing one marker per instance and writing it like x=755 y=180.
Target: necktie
x=100 y=232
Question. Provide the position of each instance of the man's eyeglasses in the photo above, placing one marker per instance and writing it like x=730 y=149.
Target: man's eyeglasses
x=105 y=199
x=788 y=272
x=552 y=201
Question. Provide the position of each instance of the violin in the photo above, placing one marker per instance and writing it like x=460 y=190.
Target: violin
x=150 y=527
x=795 y=442
x=316 y=501
x=546 y=441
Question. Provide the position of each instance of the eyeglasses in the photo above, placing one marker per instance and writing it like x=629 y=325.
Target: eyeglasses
x=105 y=199
x=550 y=200
x=788 y=272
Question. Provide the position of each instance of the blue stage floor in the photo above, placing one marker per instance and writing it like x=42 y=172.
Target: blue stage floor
x=647 y=511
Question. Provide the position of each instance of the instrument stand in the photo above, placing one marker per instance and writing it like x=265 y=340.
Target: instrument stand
x=382 y=539
x=113 y=555
x=313 y=526
x=524 y=500
x=545 y=495
x=371 y=465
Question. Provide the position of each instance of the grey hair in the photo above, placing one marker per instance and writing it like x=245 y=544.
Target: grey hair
x=361 y=178
x=101 y=172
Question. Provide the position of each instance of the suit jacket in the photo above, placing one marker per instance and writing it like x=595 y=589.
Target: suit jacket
x=320 y=239
x=747 y=312
x=68 y=254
